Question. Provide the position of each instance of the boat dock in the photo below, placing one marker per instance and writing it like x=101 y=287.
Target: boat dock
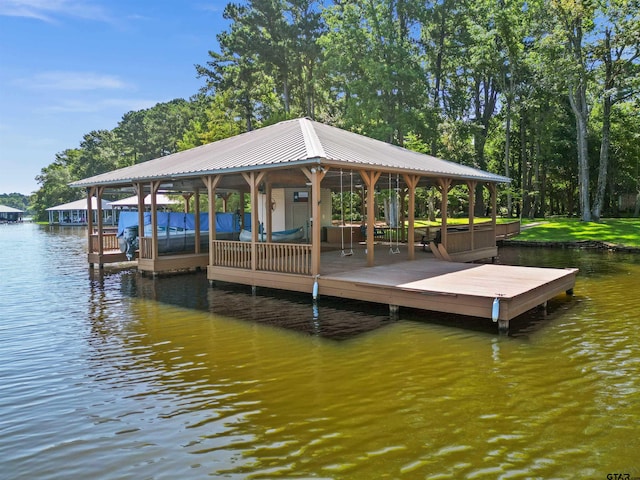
x=484 y=290
x=293 y=175
x=457 y=288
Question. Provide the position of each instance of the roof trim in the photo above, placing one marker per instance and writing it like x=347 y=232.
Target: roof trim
x=311 y=140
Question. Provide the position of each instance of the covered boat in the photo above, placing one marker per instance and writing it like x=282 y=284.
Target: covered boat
x=283 y=236
x=176 y=230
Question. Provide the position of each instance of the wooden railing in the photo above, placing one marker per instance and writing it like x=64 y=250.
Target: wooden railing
x=461 y=240
x=228 y=253
x=506 y=230
x=285 y=257
x=109 y=242
x=270 y=257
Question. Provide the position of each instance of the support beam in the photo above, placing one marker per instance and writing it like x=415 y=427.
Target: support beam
x=444 y=184
x=471 y=186
x=494 y=204
x=196 y=218
x=211 y=182
x=99 y=193
x=89 y=221
x=315 y=176
x=254 y=179
x=370 y=179
x=186 y=197
x=139 y=188
x=155 y=185
x=268 y=213
x=503 y=326
x=412 y=183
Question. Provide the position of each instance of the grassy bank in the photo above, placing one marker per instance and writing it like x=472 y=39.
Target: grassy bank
x=621 y=232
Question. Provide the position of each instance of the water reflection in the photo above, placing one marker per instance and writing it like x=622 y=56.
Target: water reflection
x=328 y=318
x=107 y=374
x=336 y=319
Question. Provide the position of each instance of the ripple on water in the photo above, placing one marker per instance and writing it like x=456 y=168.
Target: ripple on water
x=107 y=374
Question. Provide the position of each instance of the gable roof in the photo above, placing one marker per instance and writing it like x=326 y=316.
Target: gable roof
x=133 y=201
x=296 y=142
x=6 y=209
x=81 y=205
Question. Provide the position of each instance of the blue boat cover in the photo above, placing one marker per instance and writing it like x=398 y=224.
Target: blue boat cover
x=225 y=222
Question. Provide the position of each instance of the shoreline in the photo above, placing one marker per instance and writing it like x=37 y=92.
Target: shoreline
x=581 y=244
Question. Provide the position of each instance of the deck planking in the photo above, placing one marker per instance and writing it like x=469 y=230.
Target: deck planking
x=431 y=284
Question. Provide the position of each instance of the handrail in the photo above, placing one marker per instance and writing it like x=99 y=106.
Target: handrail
x=109 y=242
x=285 y=257
x=228 y=253
x=271 y=257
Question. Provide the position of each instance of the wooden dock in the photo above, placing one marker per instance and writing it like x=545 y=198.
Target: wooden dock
x=457 y=288
x=426 y=283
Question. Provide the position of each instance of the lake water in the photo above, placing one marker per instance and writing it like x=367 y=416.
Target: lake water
x=111 y=375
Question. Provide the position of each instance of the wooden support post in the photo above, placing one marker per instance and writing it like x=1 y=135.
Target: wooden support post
x=444 y=184
x=503 y=326
x=370 y=179
x=89 y=221
x=155 y=185
x=242 y=208
x=211 y=182
x=268 y=212
x=196 y=219
x=471 y=186
x=315 y=176
x=139 y=188
x=254 y=179
x=186 y=197
x=412 y=183
x=494 y=204
x=225 y=199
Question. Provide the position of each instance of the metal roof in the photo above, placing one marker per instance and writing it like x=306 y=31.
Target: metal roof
x=287 y=144
x=7 y=209
x=81 y=205
x=133 y=201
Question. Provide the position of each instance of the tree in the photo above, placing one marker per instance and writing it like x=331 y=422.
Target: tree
x=99 y=153
x=373 y=67
x=54 y=180
x=618 y=50
x=575 y=21
x=220 y=120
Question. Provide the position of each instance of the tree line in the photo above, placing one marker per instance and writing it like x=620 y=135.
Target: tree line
x=546 y=92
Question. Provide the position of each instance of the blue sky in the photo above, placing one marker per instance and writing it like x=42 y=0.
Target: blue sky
x=68 y=67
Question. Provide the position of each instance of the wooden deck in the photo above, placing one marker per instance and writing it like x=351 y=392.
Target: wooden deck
x=425 y=283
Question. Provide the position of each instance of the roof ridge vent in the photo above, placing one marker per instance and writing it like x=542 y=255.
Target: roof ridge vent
x=311 y=140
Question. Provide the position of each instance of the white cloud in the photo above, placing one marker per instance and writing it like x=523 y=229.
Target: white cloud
x=209 y=7
x=94 y=106
x=50 y=10
x=73 y=81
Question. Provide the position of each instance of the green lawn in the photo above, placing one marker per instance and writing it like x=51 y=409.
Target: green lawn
x=618 y=231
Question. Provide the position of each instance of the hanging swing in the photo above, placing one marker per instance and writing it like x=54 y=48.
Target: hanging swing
x=343 y=252
x=394 y=214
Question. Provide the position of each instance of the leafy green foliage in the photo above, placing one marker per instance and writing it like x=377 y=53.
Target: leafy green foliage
x=537 y=90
